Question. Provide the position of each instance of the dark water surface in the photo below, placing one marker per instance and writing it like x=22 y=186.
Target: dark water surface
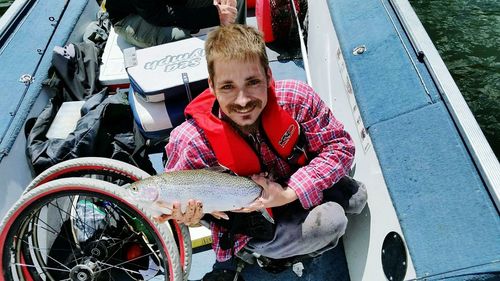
x=467 y=36
x=4 y=5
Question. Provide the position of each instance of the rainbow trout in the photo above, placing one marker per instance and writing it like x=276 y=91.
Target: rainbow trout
x=217 y=191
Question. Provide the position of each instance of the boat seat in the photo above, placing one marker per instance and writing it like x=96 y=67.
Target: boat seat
x=25 y=58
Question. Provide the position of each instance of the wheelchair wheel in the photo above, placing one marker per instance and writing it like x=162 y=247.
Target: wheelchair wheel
x=110 y=170
x=82 y=229
x=119 y=173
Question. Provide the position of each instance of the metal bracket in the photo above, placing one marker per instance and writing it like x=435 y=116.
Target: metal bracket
x=27 y=79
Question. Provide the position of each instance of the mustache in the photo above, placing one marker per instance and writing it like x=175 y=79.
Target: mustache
x=251 y=104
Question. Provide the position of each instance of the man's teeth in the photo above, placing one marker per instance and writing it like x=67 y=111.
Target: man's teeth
x=245 y=110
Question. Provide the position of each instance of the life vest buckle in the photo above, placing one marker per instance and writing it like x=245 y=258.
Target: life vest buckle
x=296 y=154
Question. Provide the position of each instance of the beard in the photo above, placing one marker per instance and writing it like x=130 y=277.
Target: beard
x=247 y=129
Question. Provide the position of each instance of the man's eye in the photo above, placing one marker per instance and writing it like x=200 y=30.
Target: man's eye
x=226 y=87
x=254 y=82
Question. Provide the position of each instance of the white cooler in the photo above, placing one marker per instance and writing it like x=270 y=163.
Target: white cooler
x=163 y=79
x=162 y=72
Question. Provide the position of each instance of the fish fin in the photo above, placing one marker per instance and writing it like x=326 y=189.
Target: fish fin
x=266 y=215
x=161 y=218
x=219 y=168
x=164 y=207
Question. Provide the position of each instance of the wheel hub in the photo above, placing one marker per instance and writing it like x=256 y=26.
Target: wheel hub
x=97 y=250
x=83 y=272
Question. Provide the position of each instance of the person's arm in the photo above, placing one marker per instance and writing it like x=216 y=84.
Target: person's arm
x=187 y=149
x=227 y=11
x=325 y=138
x=157 y=13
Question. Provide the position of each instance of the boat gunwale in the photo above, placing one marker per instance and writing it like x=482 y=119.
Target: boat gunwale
x=477 y=144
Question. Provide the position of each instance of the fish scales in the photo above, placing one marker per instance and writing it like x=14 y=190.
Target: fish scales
x=217 y=191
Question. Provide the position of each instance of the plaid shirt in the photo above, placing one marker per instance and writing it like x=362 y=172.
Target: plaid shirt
x=326 y=140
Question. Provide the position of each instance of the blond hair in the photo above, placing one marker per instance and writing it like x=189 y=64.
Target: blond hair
x=235 y=42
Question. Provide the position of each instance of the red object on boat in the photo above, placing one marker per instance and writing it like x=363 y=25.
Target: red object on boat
x=263 y=15
x=250 y=3
x=133 y=251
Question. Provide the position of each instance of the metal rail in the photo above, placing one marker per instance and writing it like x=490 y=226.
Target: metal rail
x=303 y=48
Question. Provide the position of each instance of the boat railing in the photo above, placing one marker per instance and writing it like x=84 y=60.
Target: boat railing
x=479 y=148
x=12 y=17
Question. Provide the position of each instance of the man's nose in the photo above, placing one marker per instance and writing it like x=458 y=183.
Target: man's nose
x=242 y=98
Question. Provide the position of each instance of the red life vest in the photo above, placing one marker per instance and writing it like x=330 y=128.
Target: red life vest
x=231 y=150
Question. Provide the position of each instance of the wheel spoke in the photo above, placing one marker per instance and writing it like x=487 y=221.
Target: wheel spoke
x=119 y=265
x=45 y=267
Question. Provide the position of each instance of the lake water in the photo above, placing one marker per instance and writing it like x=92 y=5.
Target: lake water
x=467 y=35
x=4 y=5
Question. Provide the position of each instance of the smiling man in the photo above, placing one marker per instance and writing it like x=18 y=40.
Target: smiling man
x=283 y=136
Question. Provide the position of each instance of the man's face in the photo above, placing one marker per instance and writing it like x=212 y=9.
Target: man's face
x=241 y=90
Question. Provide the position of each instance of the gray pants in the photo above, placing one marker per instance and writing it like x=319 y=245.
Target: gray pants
x=311 y=232
x=138 y=32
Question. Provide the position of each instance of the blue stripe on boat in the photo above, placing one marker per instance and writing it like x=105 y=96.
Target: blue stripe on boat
x=24 y=55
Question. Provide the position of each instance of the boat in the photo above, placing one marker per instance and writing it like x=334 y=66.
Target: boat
x=433 y=180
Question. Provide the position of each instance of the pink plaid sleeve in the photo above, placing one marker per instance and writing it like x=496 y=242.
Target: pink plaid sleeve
x=325 y=138
x=188 y=149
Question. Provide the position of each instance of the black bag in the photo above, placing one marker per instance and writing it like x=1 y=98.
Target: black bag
x=77 y=66
x=104 y=130
x=106 y=126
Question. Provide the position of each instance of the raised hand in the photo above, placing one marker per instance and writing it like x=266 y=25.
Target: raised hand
x=227 y=13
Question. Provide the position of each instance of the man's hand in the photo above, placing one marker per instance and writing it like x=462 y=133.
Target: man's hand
x=273 y=195
x=192 y=216
x=231 y=3
x=227 y=11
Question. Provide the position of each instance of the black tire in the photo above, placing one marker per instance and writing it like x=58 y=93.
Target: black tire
x=28 y=253
x=119 y=173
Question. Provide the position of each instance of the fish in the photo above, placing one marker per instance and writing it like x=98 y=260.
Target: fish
x=216 y=190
